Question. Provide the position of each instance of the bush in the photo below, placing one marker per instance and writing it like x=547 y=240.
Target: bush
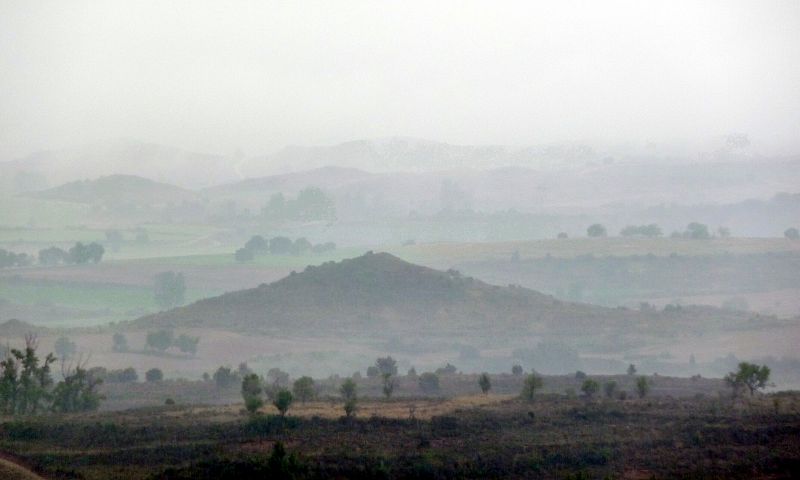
x=590 y=387
x=154 y=375
x=532 y=383
x=283 y=400
x=303 y=389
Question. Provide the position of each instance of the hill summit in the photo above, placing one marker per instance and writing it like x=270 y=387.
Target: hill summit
x=380 y=294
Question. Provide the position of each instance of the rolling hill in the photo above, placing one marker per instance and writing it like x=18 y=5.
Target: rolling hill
x=117 y=189
x=378 y=294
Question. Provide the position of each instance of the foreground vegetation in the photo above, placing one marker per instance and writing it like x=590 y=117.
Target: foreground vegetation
x=551 y=437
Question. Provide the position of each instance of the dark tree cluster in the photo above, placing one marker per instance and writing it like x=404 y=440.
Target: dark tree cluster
x=311 y=203
x=11 y=259
x=161 y=340
x=258 y=245
x=79 y=254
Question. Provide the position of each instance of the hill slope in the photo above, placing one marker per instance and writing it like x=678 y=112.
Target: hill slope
x=381 y=294
x=117 y=189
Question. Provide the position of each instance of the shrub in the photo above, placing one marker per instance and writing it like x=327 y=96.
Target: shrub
x=283 y=400
x=154 y=375
x=532 y=383
x=485 y=383
x=590 y=387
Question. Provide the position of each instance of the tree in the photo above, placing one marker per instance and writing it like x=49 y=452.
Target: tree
x=642 y=387
x=792 y=233
x=724 y=232
x=516 y=370
x=532 y=383
x=580 y=375
x=751 y=376
x=590 y=387
x=77 y=392
x=303 y=389
x=610 y=388
x=251 y=393
x=257 y=244
x=160 y=340
x=697 y=231
x=386 y=365
x=25 y=382
x=388 y=385
x=82 y=254
x=562 y=235
x=154 y=375
x=53 y=256
x=631 y=369
x=169 y=289
x=187 y=344
x=283 y=400
x=348 y=389
x=224 y=377
x=65 y=348
x=485 y=383
x=120 y=342
x=280 y=246
x=596 y=230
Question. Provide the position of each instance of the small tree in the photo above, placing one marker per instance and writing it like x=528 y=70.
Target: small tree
x=350 y=396
x=251 y=393
x=631 y=369
x=610 y=389
x=751 y=376
x=532 y=383
x=792 y=233
x=187 y=344
x=154 y=375
x=77 y=392
x=386 y=365
x=596 y=230
x=160 y=340
x=642 y=387
x=485 y=383
x=590 y=387
x=429 y=382
x=282 y=401
x=388 y=385
x=516 y=370
x=303 y=389
x=224 y=377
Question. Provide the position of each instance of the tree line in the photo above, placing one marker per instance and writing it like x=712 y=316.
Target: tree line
x=259 y=245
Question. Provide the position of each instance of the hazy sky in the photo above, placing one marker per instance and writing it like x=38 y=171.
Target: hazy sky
x=214 y=76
